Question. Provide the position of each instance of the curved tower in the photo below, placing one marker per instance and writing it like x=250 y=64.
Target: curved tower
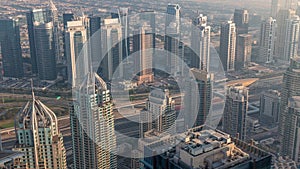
x=38 y=137
x=92 y=125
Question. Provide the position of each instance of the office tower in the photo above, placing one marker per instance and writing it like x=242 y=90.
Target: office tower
x=11 y=48
x=76 y=34
x=122 y=15
x=291 y=38
x=94 y=36
x=267 y=40
x=197 y=98
x=150 y=17
x=45 y=50
x=290 y=88
x=143 y=45
x=67 y=17
x=278 y=5
x=269 y=107
x=173 y=16
x=241 y=20
x=283 y=16
x=94 y=24
x=39 y=138
x=111 y=38
x=174 y=54
x=41 y=16
x=228 y=45
x=243 y=51
x=161 y=108
x=291 y=141
x=200 y=43
x=235 y=111
x=56 y=32
x=92 y=125
x=274 y=8
x=145 y=122
x=199 y=148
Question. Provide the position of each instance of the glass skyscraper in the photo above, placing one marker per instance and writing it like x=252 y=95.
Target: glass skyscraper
x=11 y=48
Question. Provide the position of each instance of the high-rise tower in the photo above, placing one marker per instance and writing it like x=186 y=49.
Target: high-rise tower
x=11 y=48
x=75 y=36
x=235 y=112
x=161 y=107
x=41 y=16
x=267 y=40
x=197 y=98
x=290 y=88
x=228 y=45
x=243 y=51
x=241 y=20
x=173 y=15
x=283 y=16
x=200 y=43
x=143 y=44
x=122 y=15
x=173 y=45
x=111 y=38
x=291 y=142
x=92 y=125
x=45 y=50
x=291 y=38
x=39 y=138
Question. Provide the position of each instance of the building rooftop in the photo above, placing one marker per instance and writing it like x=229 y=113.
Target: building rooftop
x=7 y=156
x=200 y=148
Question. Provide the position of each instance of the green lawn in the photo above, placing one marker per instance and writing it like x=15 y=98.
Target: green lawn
x=6 y=123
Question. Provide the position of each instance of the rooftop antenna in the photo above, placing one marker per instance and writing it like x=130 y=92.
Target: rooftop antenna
x=52 y=6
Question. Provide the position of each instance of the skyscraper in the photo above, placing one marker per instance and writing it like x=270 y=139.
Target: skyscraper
x=274 y=8
x=291 y=142
x=76 y=35
x=41 y=16
x=278 y=5
x=197 y=98
x=291 y=38
x=92 y=125
x=39 y=138
x=235 y=111
x=269 y=107
x=174 y=54
x=228 y=45
x=94 y=36
x=67 y=17
x=45 y=50
x=267 y=40
x=200 y=43
x=94 y=24
x=243 y=51
x=241 y=20
x=283 y=16
x=11 y=48
x=56 y=31
x=290 y=88
x=143 y=44
x=160 y=114
x=173 y=15
x=111 y=38
x=122 y=15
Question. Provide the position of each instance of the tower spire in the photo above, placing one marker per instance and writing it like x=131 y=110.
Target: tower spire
x=52 y=6
x=32 y=92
